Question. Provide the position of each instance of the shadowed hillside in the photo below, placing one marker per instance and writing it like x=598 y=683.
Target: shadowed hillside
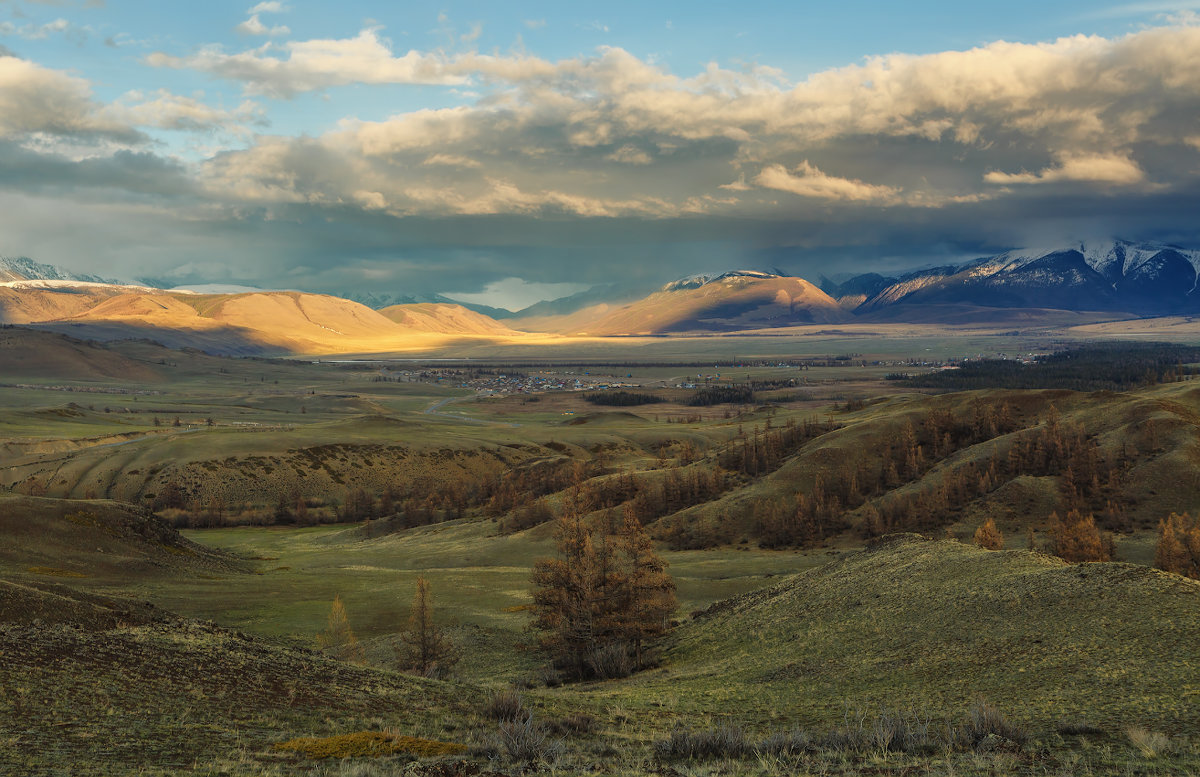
x=155 y=694
x=30 y=354
x=66 y=539
x=730 y=302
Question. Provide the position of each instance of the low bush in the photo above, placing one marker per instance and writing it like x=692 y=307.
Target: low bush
x=725 y=741
x=549 y=677
x=579 y=723
x=505 y=704
x=1078 y=728
x=610 y=662
x=987 y=723
x=1150 y=744
x=786 y=743
x=524 y=740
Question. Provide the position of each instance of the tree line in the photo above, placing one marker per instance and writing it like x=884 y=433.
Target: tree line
x=1089 y=368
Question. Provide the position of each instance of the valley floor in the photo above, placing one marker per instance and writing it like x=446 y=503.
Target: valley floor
x=128 y=647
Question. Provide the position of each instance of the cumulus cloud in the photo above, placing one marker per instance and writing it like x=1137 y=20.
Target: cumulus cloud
x=807 y=181
x=1092 y=168
x=590 y=137
x=254 y=26
x=315 y=64
x=165 y=110
x=39 y=100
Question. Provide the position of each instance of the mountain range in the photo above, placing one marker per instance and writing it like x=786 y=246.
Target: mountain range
x=1146 y=279
x=1102 y=280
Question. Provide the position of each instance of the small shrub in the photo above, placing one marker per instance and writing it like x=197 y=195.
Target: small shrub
x=579 y=723
x=549 y=677
x=506 y=705
x=1078 y=728
x=785 y=743
x=526 y=741
x=1150 y=744
x=610 y=662
x=726 y=741
x=900 y=731
x=606 y=751
x=988 y=723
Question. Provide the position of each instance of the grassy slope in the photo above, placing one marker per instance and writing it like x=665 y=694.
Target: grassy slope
x=1159 y=424
x=916 y=622
x=934 y=624
x=76 y=539
x=170 y=696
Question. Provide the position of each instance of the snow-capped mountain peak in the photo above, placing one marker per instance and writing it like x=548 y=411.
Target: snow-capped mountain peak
x=696 y=281
x=24 y=269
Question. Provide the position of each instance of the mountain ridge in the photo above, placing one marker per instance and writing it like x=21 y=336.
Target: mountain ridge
x=1097 y=278
x=1147 y=279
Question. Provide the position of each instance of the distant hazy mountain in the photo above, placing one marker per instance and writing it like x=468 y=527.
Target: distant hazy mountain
x=856 y=290
x=1148 y=279
x=608 y=294
x=22 y=268
x=387 y=300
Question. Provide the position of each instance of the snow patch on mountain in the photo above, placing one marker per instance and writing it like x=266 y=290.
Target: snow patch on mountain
x=53 y=284
x=21 y=268
x=696 y=281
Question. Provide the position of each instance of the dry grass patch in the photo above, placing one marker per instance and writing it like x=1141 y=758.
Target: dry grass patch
x=1150 y=744
x=368 y=744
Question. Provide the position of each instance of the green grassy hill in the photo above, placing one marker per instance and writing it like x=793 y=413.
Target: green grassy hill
x=935 y=625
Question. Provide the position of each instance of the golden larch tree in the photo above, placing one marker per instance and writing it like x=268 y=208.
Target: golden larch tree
x=606 y=592
x=1178 y=547
x=647 y=590
x=338 y=638
x=988 y=536
x=1076 y=538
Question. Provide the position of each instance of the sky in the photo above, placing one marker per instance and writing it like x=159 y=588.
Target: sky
x=504 y=153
